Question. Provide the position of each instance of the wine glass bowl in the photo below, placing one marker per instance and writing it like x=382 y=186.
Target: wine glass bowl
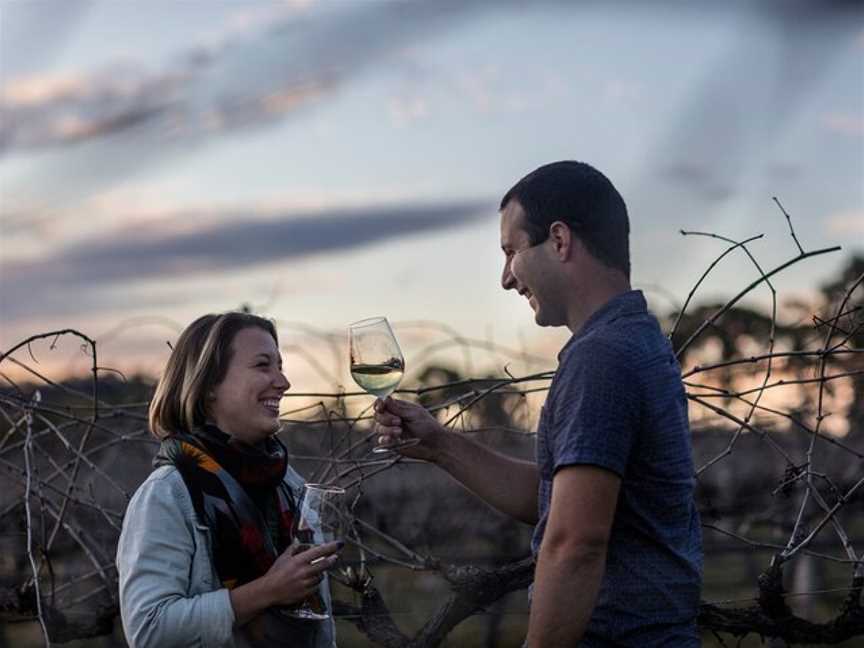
x=377 y=365
x=321 y=518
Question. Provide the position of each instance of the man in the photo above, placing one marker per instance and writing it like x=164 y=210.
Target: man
x=617 y=537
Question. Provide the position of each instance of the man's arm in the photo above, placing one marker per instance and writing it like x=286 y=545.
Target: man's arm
x=572 y=555
x=507 y=484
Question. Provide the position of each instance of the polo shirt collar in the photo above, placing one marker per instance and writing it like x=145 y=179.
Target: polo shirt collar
x=631 y=302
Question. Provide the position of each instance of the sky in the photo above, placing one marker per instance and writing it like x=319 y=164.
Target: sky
x=327 y=161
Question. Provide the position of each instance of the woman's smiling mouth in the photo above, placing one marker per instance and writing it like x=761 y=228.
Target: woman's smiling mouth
x=272 y=405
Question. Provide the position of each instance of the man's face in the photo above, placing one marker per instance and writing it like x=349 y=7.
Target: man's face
x=527 y=268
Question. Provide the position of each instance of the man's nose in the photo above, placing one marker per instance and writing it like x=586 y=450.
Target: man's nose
x=508 y=281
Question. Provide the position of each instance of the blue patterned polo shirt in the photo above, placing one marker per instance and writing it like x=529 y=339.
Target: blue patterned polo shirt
x=617 y=402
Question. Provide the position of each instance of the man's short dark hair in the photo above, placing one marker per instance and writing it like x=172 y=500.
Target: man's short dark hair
x=579 y=195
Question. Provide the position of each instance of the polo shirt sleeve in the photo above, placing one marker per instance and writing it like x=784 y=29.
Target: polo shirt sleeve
x=596 y=408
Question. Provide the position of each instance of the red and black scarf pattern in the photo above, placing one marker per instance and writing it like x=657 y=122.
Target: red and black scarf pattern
x=239 y=493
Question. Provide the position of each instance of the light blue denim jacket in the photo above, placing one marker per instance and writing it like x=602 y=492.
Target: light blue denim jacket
x=170 y=594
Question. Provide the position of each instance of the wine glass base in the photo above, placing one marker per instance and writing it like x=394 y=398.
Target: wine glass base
x=393 y=447
x=309 y=615
x=302 y=613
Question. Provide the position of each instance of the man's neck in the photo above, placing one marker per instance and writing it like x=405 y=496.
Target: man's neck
x=594 y=299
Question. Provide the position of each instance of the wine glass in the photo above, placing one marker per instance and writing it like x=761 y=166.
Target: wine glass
x=377 y=364
x=321 y=520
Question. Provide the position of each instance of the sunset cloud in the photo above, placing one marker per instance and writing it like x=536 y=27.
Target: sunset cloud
x=238 y=240
x=38 y=90
x=263 y=66
x=845 y=124
x=848 y=223
x=273 y=142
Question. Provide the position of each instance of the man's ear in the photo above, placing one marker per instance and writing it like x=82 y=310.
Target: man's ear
x=562 y=239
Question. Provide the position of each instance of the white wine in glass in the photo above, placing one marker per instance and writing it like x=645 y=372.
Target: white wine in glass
x=379 y=379
x=377 y=364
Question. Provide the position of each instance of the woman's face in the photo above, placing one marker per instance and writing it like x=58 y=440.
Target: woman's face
x=245 y=405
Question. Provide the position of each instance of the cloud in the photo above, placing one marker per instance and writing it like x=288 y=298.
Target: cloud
x=270 y=63
x=53 y=26
x=845 y=124
x=239 y=240
x=700 y=178
x=742 y=104
x=849 y=223
x=265 y=64
x=44 y=112
x=108 y=125
x=33 y=91
x=24 y=224
x=406 y=110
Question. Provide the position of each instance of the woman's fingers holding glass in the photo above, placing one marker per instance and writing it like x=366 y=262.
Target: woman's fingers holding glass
x=320 y=553
x=298 y=573
x=295 y=560
x=312 y=580
x=313 y=572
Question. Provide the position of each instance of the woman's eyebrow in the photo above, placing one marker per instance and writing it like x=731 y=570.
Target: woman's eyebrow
x=270 y=357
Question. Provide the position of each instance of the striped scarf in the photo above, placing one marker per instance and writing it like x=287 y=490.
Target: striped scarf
x=239 y=493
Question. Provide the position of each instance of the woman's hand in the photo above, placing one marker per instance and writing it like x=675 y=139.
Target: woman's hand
x=294 y=576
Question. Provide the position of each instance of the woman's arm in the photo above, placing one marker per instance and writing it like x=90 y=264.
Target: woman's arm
x=155 y=556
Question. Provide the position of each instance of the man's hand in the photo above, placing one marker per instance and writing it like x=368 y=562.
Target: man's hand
x=400 y=420
x=509 y=485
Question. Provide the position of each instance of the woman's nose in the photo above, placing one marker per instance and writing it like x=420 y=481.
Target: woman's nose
x=282 y=382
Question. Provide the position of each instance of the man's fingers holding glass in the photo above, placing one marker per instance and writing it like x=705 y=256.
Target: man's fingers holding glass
x=386 y=419
x=388 y=434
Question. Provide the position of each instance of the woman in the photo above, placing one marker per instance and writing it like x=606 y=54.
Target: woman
x=204 y=557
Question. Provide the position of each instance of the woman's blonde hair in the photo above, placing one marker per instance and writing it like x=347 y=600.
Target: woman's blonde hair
x=198 y=363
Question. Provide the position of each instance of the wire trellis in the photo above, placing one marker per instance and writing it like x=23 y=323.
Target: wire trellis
x=73 y=457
